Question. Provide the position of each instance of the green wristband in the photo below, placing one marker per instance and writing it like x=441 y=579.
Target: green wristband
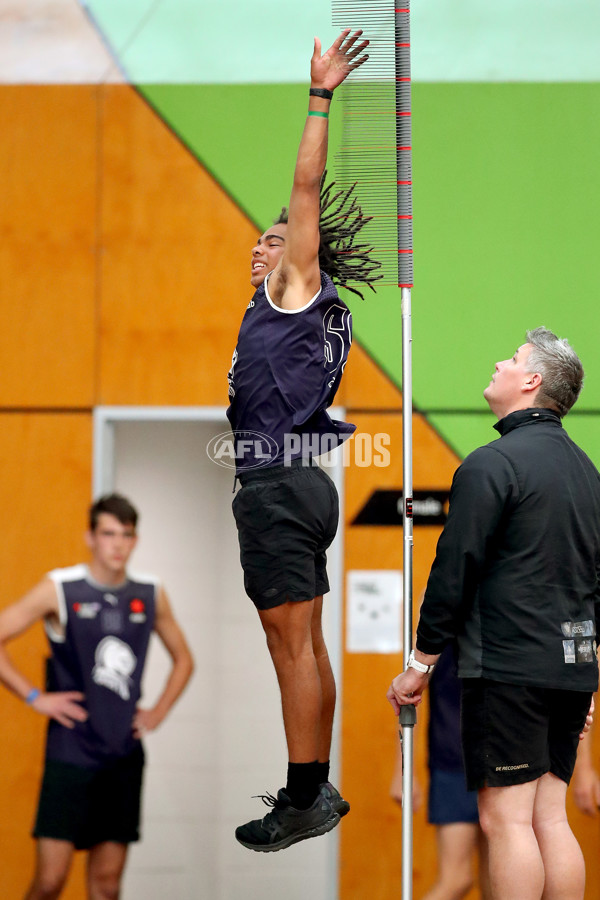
x=322 y=115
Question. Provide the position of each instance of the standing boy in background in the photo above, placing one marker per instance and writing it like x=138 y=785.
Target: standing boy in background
x=98 y=621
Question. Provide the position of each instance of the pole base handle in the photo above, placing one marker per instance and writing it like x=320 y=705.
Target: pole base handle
x=408 y=716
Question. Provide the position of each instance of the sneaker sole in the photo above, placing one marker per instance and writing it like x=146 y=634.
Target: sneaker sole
x=342 y=808
x=315 y=831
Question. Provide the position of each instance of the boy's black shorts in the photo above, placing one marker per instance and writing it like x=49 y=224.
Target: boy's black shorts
x=512 y=733
x=286 y=517
x=90 y=806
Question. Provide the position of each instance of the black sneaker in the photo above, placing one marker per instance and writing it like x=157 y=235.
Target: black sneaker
x=285 y=825
x=338 y=804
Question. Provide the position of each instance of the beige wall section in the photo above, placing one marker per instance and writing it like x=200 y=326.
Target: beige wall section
x=47 y=245
x=45 y=460
x=175 y=270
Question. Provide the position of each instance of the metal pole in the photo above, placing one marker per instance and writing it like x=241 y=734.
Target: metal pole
x=368 y=158
x=408 y=716
x=405 y=280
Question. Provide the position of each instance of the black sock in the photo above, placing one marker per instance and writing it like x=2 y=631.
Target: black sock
x=323 y=772
x=302 y=784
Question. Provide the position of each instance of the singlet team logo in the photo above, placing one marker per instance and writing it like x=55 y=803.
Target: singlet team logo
x=87 y=610
x=137 y=610
x=115 y=661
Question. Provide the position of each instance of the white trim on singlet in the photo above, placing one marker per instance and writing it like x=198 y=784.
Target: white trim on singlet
x=81 y=572
x=289 y=311
x=129 y=576
x=106 y=588
x=144 y=578
x=58 y=577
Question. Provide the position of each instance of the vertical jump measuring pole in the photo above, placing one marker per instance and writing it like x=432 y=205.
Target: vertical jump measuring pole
x=375 y=156
x=408 y=715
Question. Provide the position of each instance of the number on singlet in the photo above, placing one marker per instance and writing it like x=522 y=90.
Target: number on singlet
x=230 y=374
x=338 y=336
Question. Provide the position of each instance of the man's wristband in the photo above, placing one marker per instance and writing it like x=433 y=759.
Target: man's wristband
x=413 y=663
x=321 y=92
x=32 y=696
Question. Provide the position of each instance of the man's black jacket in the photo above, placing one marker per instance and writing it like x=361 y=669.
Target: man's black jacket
x=516 y=574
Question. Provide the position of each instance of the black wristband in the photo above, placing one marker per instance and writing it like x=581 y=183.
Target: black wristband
x=321 y=92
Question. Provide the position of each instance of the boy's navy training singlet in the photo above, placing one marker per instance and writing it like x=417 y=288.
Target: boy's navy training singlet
x=102 y=654
x=286 y=369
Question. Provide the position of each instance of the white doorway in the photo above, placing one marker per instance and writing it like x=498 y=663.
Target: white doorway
x=224 y=741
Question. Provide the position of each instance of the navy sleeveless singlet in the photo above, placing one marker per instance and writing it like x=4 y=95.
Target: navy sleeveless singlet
x=102 y=654
x=285 y=372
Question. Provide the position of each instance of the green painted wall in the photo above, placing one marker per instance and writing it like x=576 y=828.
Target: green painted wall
x=506 y=224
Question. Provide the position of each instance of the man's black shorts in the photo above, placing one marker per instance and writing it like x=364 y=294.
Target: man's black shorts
x=90 y=806
x=287 y=517
x=512 y=733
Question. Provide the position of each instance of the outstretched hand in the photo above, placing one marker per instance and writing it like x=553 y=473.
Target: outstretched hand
x=328 y=71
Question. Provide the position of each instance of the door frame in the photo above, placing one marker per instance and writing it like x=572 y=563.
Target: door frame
x=105 y=419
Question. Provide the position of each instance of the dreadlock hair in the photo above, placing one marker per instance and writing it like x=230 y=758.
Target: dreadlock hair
x=340 y=220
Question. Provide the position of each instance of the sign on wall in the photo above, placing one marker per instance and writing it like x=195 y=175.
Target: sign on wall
x=374 y=611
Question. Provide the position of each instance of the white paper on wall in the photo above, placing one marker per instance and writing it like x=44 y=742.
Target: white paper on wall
x=374 y=611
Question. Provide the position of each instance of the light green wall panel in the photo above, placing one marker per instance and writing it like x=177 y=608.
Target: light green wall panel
x=464 y=432
x=202 y=42
x=585 y=431
x=234 y=41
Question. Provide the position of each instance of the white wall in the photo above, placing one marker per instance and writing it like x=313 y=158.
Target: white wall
x=224 y=741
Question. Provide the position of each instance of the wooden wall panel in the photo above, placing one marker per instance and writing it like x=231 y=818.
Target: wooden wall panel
x=365 y=385
x=176 y=265
x=45 y=460
x=47 y=245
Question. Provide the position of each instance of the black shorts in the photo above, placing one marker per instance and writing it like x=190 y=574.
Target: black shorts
x=286 y=517
x=512 y=733
x=90 y=806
